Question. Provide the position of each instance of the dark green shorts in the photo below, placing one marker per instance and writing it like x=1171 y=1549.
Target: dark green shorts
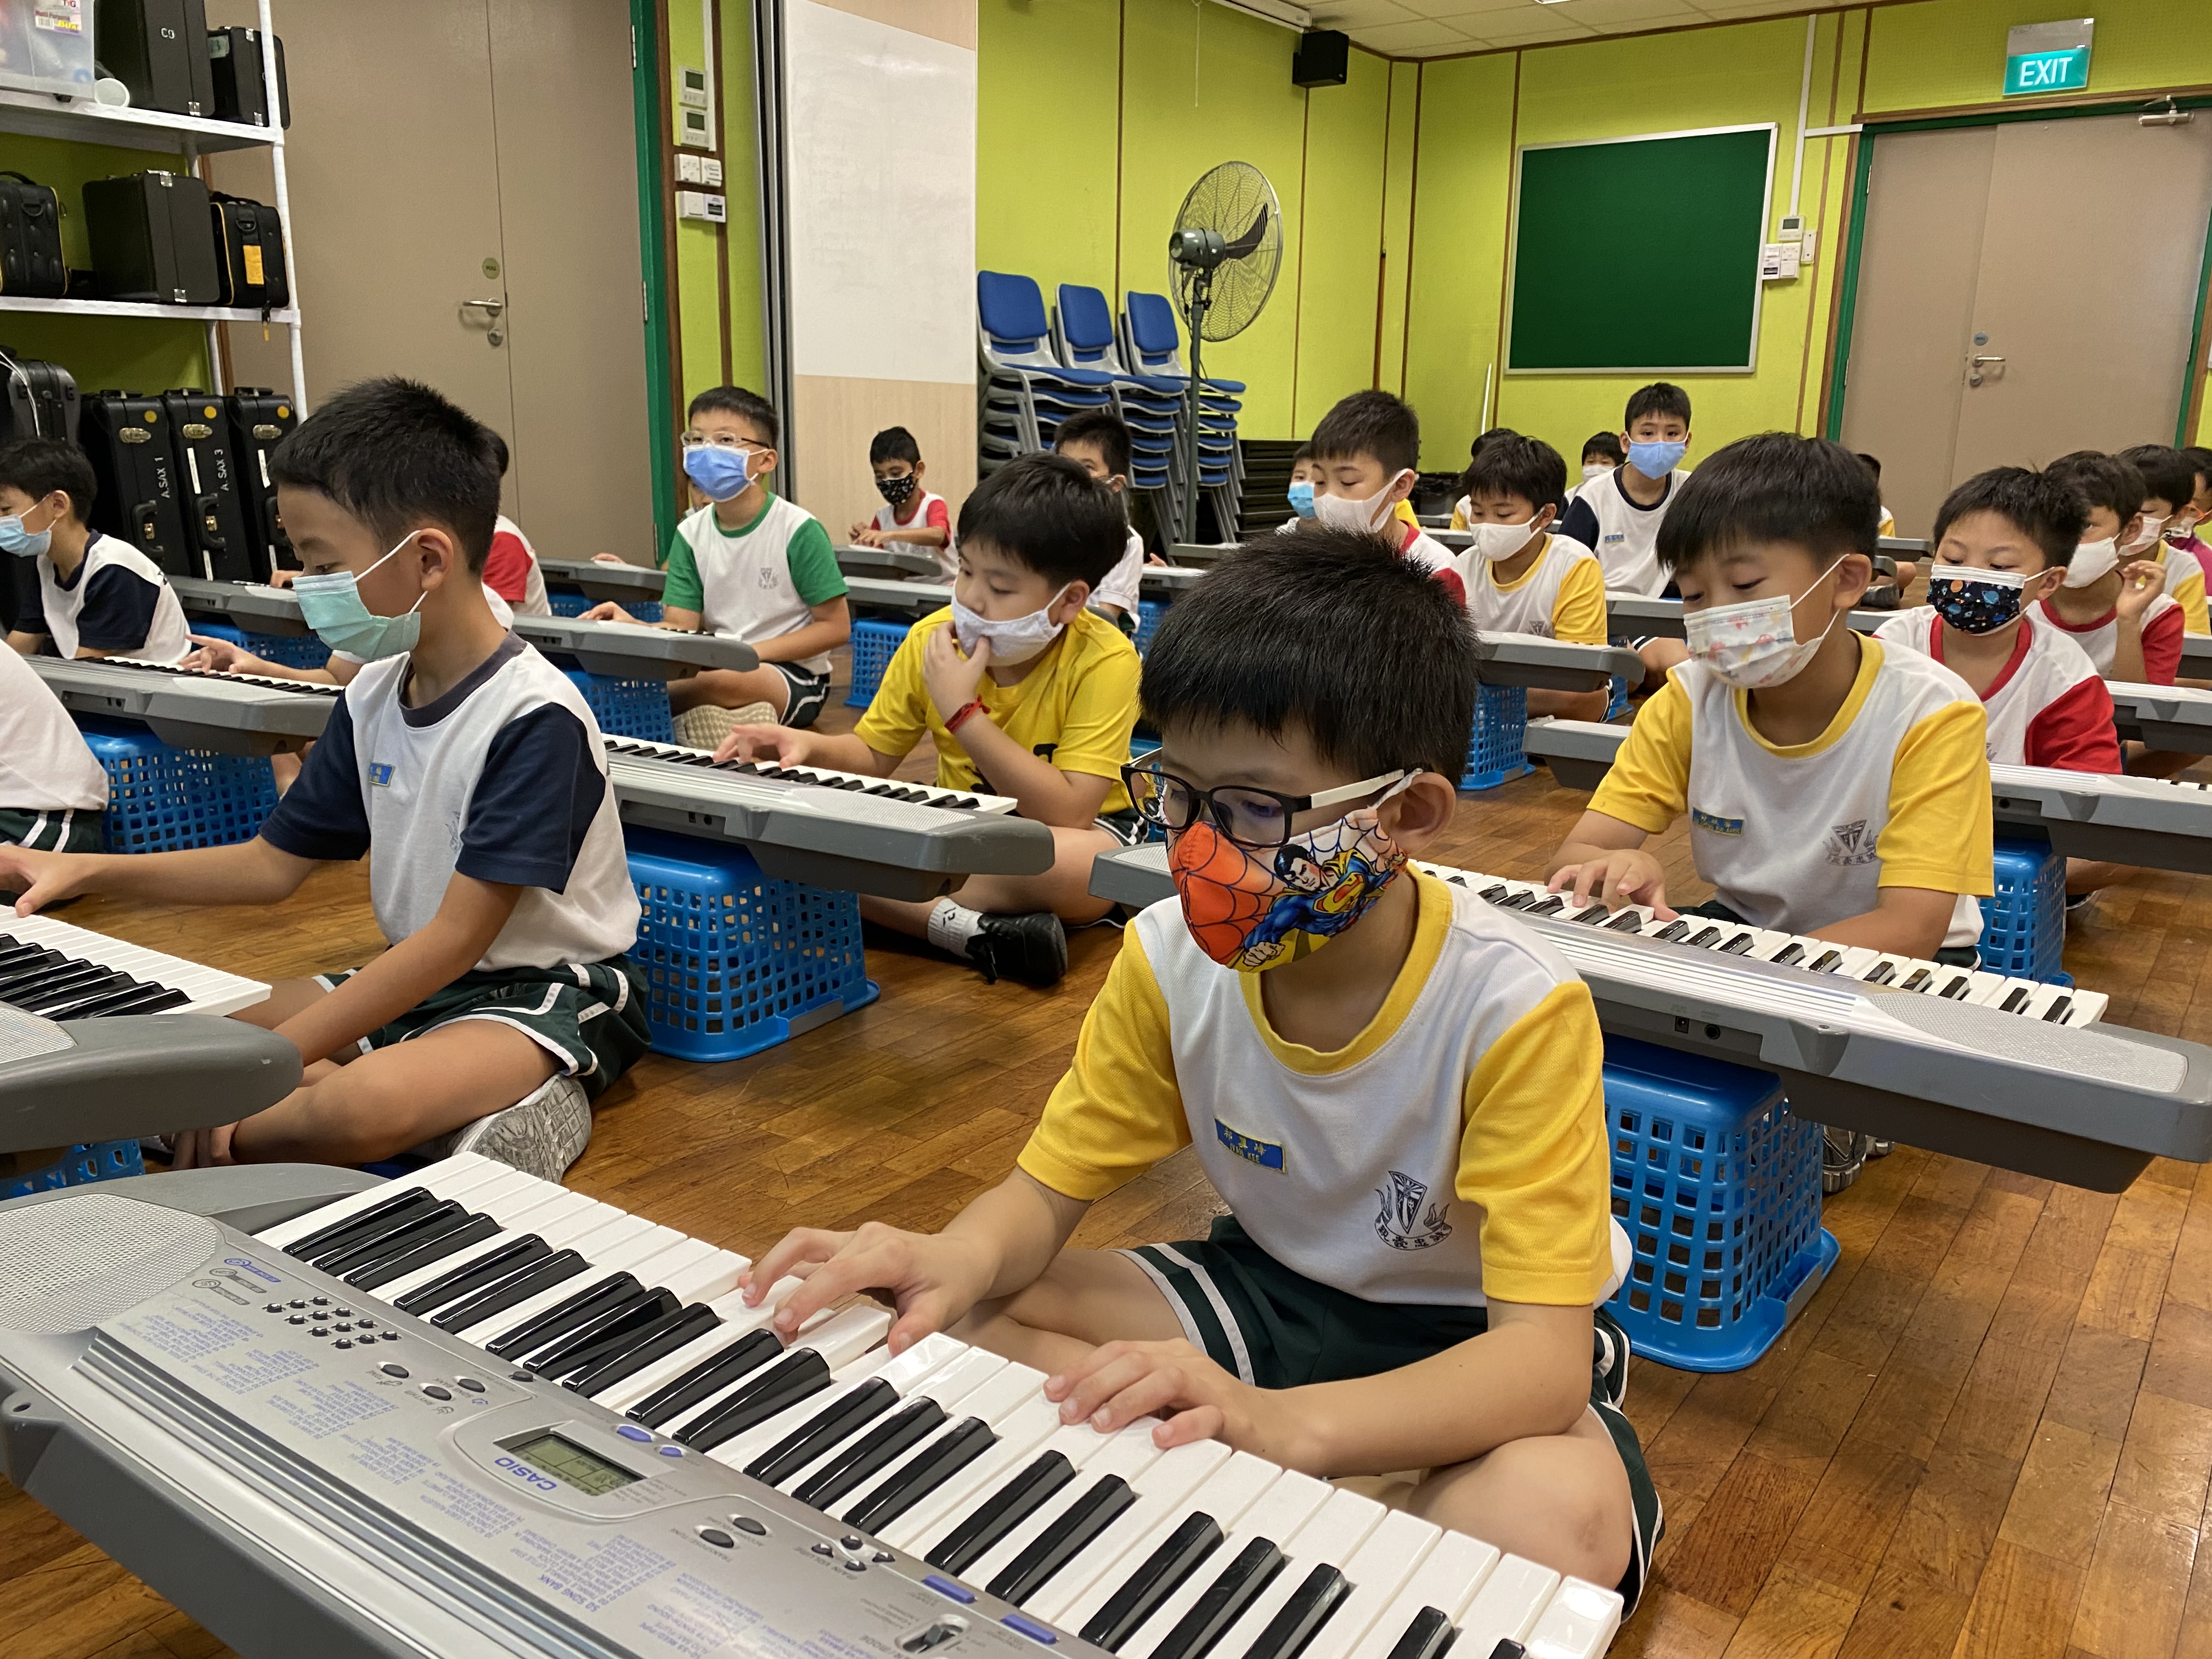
x=1279 y=1329
x=56 y=831
x=590 y=1015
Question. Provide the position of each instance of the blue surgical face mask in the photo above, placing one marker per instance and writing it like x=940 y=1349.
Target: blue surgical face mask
x=721 y=470
x=24 y=543
x=1301 y=498
x=1656 y=460
x=333 y=607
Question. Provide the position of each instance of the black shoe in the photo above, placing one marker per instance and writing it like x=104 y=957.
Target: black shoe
x=1031 y=949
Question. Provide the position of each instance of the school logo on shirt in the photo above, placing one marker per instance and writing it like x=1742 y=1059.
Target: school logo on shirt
x=1849 y=846
x=1402 y=1222
x=767 y=577
x=379 y=775
x=1267 y=1154
x=1713 y=824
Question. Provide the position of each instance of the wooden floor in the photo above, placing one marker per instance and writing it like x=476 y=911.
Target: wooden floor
x=1990 y=1433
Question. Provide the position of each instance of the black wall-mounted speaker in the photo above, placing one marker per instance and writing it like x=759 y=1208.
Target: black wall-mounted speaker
x=1322 y=59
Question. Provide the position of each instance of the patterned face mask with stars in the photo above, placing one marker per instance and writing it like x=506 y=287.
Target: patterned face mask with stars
x=898 y=490
x=1976 y=601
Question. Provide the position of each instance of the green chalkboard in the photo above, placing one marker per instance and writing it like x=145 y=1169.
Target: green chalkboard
x=1639 y=254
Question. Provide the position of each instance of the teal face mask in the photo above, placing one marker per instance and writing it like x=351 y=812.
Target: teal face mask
x=333 y=607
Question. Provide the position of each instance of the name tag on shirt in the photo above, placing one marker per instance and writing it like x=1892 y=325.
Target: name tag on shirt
x=1714 y=823
x=1267 y=1154
x=379 y=775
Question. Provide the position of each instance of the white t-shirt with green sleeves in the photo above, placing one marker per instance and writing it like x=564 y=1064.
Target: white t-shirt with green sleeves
x=757 y=582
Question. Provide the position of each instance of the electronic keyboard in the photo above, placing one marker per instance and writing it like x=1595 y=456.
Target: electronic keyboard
x=917 y=599
x=603 y=581
x=254 y=606
x=2196 y=656
x=2171 y=717
x=1198 y=553
x=827 y=828
x=472 y=1413
x=1982 y=1065
x=1171 y=579
x=62 y=972
x=2157 y=824
x=890 y=563
x=230 y=713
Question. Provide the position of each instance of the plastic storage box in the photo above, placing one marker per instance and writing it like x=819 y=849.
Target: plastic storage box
x=1717 y=1184
x=628 y=708
x=91 y=1160
x=291 y=650
x=1501 y=724
x=567 y=602
x=735 y=961
x=46 y=46
x=161 y=799
x=2024 y=926
x=1150 y=613
x=874 y=644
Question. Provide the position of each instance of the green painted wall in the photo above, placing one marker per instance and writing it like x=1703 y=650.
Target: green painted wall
x=1946 y=53
x=740 y=187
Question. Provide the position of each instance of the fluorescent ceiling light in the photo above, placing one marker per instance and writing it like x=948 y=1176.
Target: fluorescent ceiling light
x=1273 y=11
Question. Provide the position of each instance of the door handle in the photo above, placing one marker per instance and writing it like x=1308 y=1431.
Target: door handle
x=1977 y=362
x=493 y=307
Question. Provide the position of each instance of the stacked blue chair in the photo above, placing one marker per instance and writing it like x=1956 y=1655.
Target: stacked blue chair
x=1150 y=406
x=1023 y=392
x=1151 y=346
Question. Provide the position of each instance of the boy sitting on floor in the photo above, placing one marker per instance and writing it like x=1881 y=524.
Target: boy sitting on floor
x=1520 y=576
x=1435 y=1053
x=2113 y=606
x=53 y=790
x=1365 y=453
x=910 y=515
x=92 y=595
x=1098 y=440
x=473 y=770
x=1025 y=692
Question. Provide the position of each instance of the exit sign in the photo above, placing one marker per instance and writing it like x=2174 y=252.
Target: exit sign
x=2046 y=58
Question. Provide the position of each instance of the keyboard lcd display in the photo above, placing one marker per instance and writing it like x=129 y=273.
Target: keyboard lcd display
x=572 y=1466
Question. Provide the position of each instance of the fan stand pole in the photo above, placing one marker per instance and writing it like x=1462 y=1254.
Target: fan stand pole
x=1199 y=295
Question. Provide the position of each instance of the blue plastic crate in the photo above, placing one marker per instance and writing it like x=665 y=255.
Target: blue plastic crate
x=1150 y=613
x=627 y=708
x=567 y=602
x=209 y=628
x=292 y=650
x=161 y=799
x=1494 y=749
x=734 y=961
x=1717 y=1184
x=2024 y=926
x=88 y=1161
x=874 y=644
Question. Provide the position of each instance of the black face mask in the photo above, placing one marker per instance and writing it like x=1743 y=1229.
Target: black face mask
x=897 y=491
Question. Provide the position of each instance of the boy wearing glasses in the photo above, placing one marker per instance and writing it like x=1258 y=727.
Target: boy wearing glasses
x=752 y=565
x=1394 y=1086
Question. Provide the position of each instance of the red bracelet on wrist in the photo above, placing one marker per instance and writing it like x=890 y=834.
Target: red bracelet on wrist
x=962 y=713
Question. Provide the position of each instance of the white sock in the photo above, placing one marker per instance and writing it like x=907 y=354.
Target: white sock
x=951 y=926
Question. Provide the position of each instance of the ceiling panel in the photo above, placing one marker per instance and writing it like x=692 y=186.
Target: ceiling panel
x=1428 y=28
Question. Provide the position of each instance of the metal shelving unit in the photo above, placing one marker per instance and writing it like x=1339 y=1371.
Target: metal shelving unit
x=82 y=121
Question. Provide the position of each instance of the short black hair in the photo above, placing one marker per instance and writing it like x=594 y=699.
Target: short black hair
x=1606 y=444
x=39 y=466
x=2102 y=480
x=2199 y=459
x=1049 y=514
x=1776 y=487
x=2045 y=506
x=2164 y=473
x=1102 y=428
x=1871 y=465
x=393 y=453
x=1394 y=685
x=1371 y=423
x=1660 y=397
x=745 y=405
x=1302 y=453
x=1483 y=439
x=499 y=451
x=1514 y=465
x=894 y=443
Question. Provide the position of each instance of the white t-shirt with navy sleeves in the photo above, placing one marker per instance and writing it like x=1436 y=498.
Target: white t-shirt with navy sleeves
x=115 y=601
x=503 y=778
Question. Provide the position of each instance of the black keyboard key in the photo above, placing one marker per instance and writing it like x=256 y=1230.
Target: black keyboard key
x=563 y=1317
x=363 y=1221
x=1673 y=930
x=1596 y=914
x=1426 y=1637
x=783 y=1385
x=601 y=1338
x=1956 y=990
x=1789 y=956
x=1739 y=945
x=1627 y=923
x=1825 y=962
x=1880 y=974
x=449 y=1243
x=2059 y=1010
x=923 y=1474
x=1057 y=1545
x=1303 y=1616
x=1549 y=904
x=872 y=1453
x=1493 y=894
x=2013 y=1002
x=657 y=1341
x=475 y=1273
x=1187 y=1550
x=843 y=1418
x=75 y=986
x=1225 y=1599
x=400 y=1235
x=1705 y=938
x=1006 y=1508
x=1917 y=980
x=517 y=1288
x=706 y=1379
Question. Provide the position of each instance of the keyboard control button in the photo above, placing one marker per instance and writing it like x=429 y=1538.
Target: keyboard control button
x=631 y=1431
x=299 y=1305
x=850 y=1541
x=400 y=1371
x=717 y=1537
x=388 y=1336
x=437 y=1393
x=746 y=1523
x=319 y=1331
x=346 y=1330
x=823 y=1549
x=671 y=1451
x=856 y=1566
x=882 y=1556
x=342 y=1342
x=469 y=1384
x=365 y=1324
x=274 y=1307
x=297 y=1319
x=320 y=1301
x=1031 y=1628
x=341 y=1313
x=952 y=1587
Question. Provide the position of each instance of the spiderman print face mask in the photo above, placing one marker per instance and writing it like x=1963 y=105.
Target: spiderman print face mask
x=1252 y=908
x=1976 y=601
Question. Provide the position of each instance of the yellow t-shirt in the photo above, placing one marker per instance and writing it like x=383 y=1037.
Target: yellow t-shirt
x=1403 y=512
x=1793 y=837
x=1075 y=706
x=1472 y=1107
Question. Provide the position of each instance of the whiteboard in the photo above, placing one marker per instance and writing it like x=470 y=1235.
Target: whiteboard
x=882 y=199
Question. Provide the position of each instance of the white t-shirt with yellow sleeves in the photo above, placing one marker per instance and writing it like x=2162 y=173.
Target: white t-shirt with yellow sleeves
x=1560 y=597
x=1454 y=1152
x=2184 y=584
x=1894 y=793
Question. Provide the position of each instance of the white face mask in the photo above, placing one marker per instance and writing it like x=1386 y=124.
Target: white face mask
x=1014 y=640
x=2092 y=561
x=1594 y=468
x=2148 y=534
x=1754 y=644
x=1367 y=515
x=1500 y=541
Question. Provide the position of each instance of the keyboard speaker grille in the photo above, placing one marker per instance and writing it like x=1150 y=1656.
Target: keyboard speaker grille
x=76 y=1262
x=2077 y=1052
x=24 y=1035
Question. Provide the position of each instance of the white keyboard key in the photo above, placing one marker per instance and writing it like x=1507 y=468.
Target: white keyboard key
x=1446 y=1579
x=1507 y=1606
x=1336 y=1531
x=1127 y=1453
x=737 y=1321
x=1224 y=1495
x=1579 y=1624
x=1164 y=1489
x=540 y=1216
x=921 y=1362
x=714 y=1274
x=1276 y=1514
x=1021 y=1433
x=1399 y=1544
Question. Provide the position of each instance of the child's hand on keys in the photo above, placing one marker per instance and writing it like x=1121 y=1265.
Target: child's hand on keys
x=609 y=558
x=1629 y=876
x=281 y=577
x=222 y=657
x=779 y=743
x=607 y=611
x=38 y=879
x=933 y=1278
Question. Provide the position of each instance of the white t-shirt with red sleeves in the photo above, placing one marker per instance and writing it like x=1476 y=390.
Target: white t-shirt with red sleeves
x=2161 y=638
x=2048 y=705
x=511 y=570
x=930 y=513
x=1434 y=556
